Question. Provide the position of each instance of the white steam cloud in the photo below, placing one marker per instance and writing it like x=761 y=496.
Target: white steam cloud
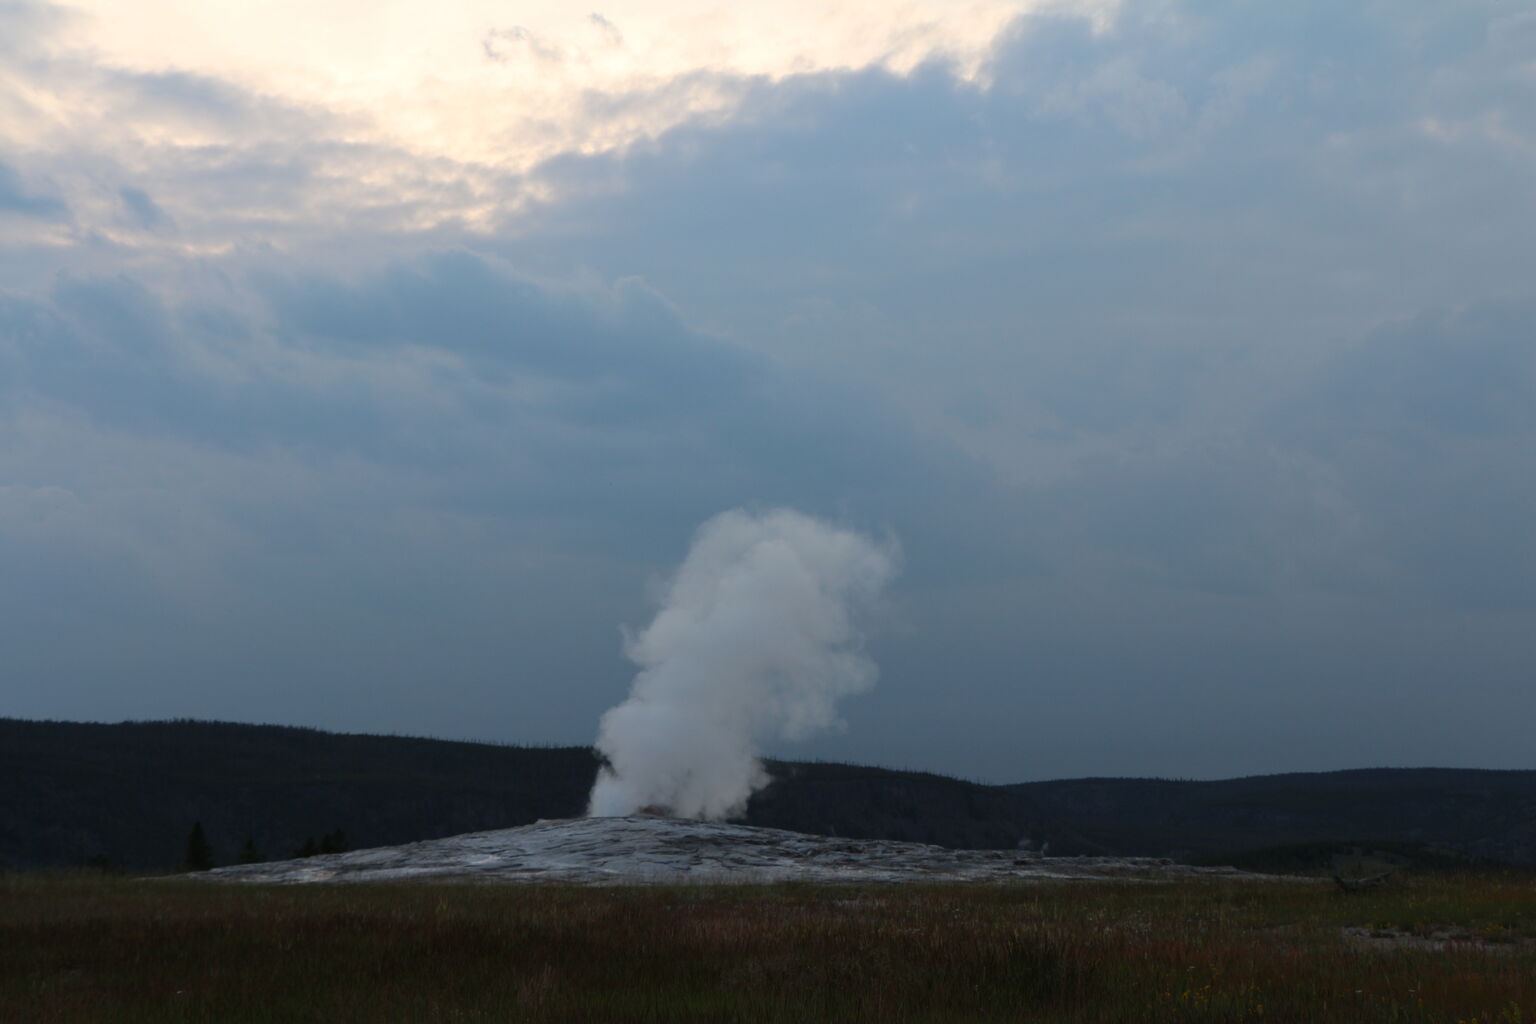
x=755 y=641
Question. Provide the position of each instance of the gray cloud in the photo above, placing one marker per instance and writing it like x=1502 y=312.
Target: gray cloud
x=1189 y=358
x=1288 y=187
x=15 y=197
x=451 y=442
x=1231 y=297
x=28 y=25
x=1106 y=268
x=1441 y=376
x=594 y=404
x=1428 y=426
x=143 y=208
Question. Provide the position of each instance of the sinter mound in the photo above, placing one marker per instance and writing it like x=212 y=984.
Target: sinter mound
x=655 y=849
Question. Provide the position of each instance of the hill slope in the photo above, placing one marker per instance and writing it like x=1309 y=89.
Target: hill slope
x=128 y=794
x=1489 y=814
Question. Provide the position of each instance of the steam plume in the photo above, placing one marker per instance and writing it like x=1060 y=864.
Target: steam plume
x=755 y=640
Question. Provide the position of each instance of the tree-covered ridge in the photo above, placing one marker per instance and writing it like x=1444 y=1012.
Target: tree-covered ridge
x=128 y=795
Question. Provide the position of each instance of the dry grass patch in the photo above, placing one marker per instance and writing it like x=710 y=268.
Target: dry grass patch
x=89 y=949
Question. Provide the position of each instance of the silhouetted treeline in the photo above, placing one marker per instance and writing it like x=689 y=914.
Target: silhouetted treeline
x=126 y=795
x=1484 y=814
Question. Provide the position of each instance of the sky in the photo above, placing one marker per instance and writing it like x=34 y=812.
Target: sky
x=370 y=366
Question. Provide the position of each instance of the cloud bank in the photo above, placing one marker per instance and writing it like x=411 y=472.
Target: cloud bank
x=1188 y=351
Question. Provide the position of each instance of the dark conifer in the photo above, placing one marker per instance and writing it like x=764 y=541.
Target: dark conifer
x=249 y=854
x=104 y=864
x=199 y=853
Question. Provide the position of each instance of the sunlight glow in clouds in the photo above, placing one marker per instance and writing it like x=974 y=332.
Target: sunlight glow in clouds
x=280 y=123
x=510 y=84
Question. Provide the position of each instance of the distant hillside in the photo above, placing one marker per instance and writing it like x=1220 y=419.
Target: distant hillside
x=1486 y=814
x=127 y=794
x=859 y=802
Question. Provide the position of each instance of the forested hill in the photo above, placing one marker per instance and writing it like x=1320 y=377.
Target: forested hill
x=1486 y=814
x=128 y=794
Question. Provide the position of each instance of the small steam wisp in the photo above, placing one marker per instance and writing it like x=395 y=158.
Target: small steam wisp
x=755 y=641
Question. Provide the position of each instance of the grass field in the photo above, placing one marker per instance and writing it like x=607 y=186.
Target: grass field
x=91 y=949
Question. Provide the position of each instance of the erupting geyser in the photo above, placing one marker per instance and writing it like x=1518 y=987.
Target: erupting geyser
x=755 y=640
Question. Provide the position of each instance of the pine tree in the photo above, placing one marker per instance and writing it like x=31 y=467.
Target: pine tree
x=334 y=842
x=249 y=854
x=199 y=853
x=309 y=849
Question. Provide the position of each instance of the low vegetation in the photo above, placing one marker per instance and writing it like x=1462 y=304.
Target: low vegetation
x=1437 y=949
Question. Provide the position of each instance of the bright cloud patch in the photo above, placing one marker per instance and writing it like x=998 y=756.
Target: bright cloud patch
x=508 y=85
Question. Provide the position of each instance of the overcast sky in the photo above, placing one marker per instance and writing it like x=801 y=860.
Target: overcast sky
x=367 y=365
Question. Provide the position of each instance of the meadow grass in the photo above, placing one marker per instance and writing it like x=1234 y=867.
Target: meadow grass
x=77 y=949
